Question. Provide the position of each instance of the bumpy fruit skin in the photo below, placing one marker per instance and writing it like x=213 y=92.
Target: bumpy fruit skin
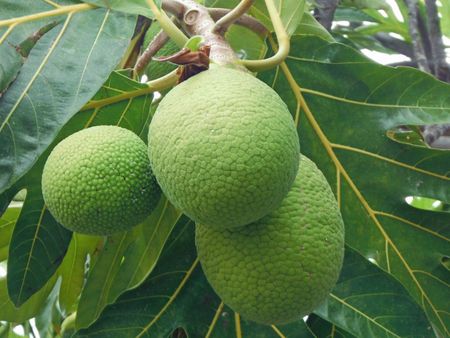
x=98 y=181
x=224 y=148
x=281 y=267
x=156 y=69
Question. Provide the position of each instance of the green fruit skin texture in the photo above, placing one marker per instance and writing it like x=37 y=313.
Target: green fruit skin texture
x=156 y=69
x=283 y=266
x=98 y=181
x=224 y=148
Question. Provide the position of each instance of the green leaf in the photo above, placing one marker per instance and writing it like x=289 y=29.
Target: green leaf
x=309 y=26
x=345 y=106
x=64 y=69
x=246 y=44
x=137 y=7
x=363 y=4
x=177 y=295
x=44 y=320
x=95 y=294
x=194 y=43
x=27 y=310
x=20 y=19
x=39 y=242
x=72 y=269
x=444 y=10
x=37 y=247
x=141 y=256
x=7 y=221
x=126 y=260
x=368 y=302
x=290 y=11
x=6 y=198
x=10 y=66
x=324 y=329
x=352 y=14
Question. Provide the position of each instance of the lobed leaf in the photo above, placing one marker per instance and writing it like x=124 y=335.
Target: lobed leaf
x=325 y=329
x=29 y=309
x=176 y=295
x=368 y=302
x=39 y=243
x=346 y=107
x=37 y=247
x=44 y=97
x=98 y=285
x=136 y=7
x=73 y=268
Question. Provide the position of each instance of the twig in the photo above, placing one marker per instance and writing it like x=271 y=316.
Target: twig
x=419 y=53
x=397 y=45
x=226 y=21
x=324 y=12
x=423 y=31
x=154 y=46
x=441 y=68
x=403 y=64
x=244 y=21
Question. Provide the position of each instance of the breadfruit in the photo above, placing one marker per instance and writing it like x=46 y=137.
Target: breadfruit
x=98 y=181
x=224 y=148
x=280 y=268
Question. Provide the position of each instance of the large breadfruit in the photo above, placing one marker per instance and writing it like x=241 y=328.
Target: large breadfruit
x=281 y=267
x=224 y=148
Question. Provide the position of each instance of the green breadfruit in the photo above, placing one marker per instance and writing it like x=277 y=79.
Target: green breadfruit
x=224 y=148
x=283 y=266
x=156 y=69
x=99 y=181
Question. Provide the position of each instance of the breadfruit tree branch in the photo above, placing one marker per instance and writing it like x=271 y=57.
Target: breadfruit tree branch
x=419 y=52
x=195 y=20
x=154 y=46
x=244 y=21
x=324 y=12
x=216 y=14
x=440 y=67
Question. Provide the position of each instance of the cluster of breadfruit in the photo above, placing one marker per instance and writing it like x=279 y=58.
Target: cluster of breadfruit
x=223 y=148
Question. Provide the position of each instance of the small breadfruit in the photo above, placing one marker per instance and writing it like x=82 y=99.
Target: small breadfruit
x=281 y=267
x=98 y=181
x=224 y=147
x=156 y=69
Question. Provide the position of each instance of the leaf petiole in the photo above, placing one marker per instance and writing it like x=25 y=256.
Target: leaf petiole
x=283 y=43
